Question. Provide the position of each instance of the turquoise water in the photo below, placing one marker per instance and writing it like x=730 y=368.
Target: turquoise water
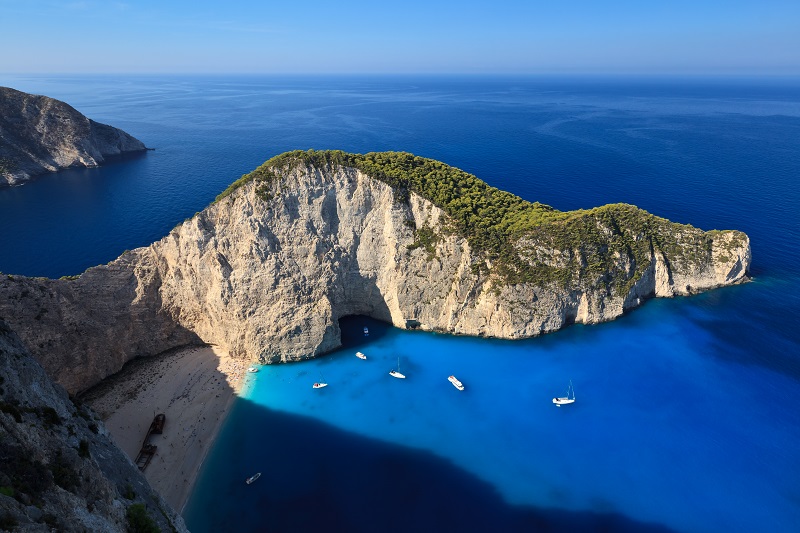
x=685 y=418
x=662 y=431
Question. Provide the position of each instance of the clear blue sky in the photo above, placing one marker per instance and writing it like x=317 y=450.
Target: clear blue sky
x=411 y=36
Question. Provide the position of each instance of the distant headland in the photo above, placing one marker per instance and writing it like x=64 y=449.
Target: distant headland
x=40 y=135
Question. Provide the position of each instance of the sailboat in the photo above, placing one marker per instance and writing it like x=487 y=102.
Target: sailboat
x=396 y=373
x=321 y=383
x=569 y=398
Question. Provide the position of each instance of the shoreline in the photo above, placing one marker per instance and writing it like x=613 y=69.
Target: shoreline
x=194 y=387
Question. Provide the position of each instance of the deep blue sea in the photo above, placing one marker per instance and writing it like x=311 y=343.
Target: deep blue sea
x=687 y=414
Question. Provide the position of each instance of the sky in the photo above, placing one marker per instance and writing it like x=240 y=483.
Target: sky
x=412 y=36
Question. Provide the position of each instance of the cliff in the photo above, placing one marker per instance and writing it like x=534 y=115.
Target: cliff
x=59 y=470
x=39 y=134
x=267 y=271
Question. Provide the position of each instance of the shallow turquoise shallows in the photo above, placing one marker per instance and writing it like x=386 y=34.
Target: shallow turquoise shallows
x=686 y=413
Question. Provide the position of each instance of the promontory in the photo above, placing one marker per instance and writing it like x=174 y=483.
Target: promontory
x=269 y=268
x=39 y=135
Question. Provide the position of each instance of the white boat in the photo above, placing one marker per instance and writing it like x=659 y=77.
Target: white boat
x=253 y=478
x=396 y=372
x=457 y=384
x=252 y=369
x=321 y=383
x=569 y=398
x=360 y=355
x=366 y=332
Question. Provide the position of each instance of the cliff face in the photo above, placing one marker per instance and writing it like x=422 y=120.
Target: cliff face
x=39 y=134
x=59 y=469
x=267 y=271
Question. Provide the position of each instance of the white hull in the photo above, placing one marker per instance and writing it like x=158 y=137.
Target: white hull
x=360 y=355
x=253 y=478
x=396 y=374
x=319 y=385
x=252 y=369
x=457 y=384
x=569 y=398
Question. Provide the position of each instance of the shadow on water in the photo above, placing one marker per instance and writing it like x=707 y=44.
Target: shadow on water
x=352 y=328
x=315 y=476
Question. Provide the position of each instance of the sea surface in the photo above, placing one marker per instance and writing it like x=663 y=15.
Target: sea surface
x=686 y=416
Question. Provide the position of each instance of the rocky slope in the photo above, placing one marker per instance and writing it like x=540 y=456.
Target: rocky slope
x=59 y=471
x=267 y=271
x=39 y=134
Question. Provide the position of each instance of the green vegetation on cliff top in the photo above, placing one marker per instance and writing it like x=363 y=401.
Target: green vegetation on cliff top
x=586 y=246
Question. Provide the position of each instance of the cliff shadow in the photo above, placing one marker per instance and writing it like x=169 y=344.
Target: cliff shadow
x=316 y=476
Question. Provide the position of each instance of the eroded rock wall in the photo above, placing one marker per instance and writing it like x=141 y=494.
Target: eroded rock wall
x=269 y=270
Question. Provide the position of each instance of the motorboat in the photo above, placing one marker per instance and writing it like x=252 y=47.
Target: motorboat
x=321 y=383
x=253 y=478
x=457 y=384
x=360 y=355
x=366 y=332
x=569 y=398
x=252 y=369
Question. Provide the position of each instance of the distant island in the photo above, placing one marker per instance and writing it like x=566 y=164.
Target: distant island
x=40 y=134
x=266 y=271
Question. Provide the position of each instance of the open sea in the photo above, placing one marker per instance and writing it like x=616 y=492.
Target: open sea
x=686 y=418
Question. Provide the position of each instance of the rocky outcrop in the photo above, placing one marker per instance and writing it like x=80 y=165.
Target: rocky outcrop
x=59 y=470
x=267 y=272
x=39 y=134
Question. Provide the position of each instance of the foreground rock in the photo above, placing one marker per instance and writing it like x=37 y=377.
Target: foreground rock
x=39 y=134
x=59 y=471
x=268 y=270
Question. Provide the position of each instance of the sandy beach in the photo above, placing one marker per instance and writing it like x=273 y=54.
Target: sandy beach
x=194 y=388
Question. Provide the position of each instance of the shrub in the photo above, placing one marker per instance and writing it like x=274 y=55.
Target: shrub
x=139 y=521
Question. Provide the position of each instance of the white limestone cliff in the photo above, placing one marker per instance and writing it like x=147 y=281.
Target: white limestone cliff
x=266 y=273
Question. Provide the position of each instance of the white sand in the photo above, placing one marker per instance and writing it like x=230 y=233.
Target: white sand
x=194 y=388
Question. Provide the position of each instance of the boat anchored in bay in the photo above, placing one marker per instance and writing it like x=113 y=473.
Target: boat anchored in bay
x=457 y=384
x=569 y=398
x=396 y=372
x=252 y=478
x=319 y=384
x=360 y=355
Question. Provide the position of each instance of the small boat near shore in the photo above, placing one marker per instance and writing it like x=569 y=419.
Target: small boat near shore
x=396 y=372
x=366 y=332
x=569 y=398
x=253 y=478
x=457 y=384
x=319 y=384
x=361 y=355
x=252 y=369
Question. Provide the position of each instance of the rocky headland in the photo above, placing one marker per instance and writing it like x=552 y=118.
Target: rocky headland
x=40 y=134
x=268 y=269
x=59 y=470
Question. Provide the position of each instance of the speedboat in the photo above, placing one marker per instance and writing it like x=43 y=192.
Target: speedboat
x=457 y=384
x=252 y=369
x=360 y=355
x=321 y=383
x=253 y=478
